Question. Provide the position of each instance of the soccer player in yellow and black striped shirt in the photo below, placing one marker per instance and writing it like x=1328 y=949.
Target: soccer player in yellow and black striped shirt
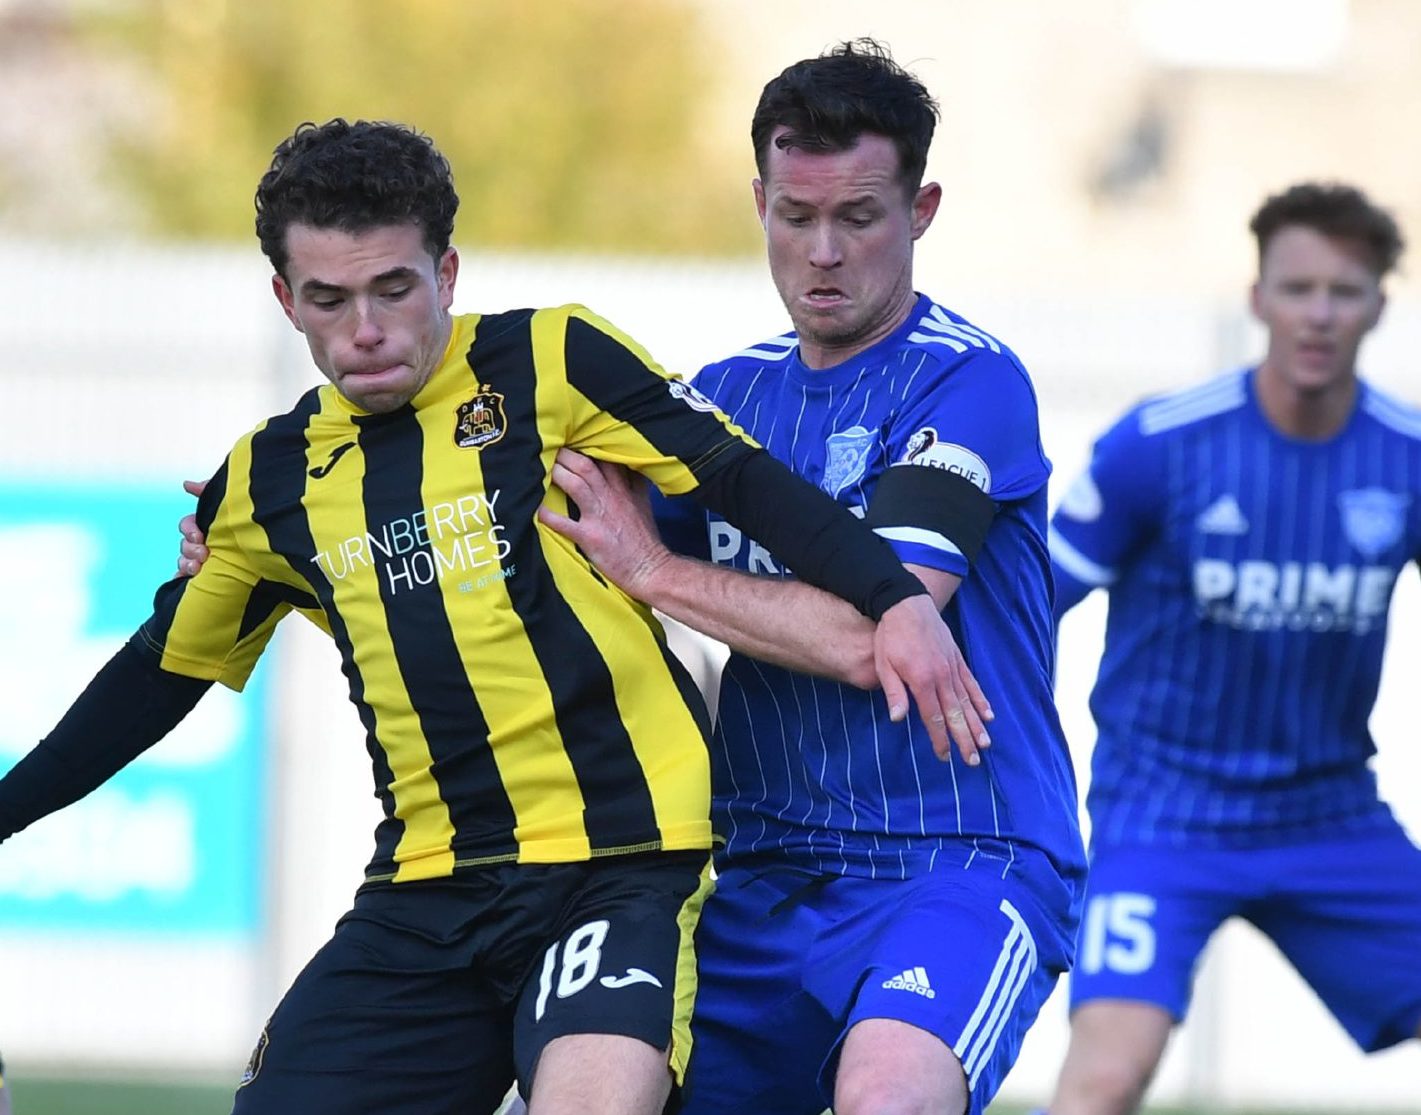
x=539 y=754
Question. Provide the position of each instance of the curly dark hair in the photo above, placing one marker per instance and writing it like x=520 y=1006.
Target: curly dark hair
x=1334 y=209
x=354 y=177
x=828 y=102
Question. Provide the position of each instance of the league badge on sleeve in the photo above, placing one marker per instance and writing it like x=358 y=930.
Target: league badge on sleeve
x=1373 y=518
x=687 y=394
x=925 y=448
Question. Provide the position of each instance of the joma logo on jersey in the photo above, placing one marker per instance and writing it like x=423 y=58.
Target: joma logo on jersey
x=480 y=421
x=1297 y=596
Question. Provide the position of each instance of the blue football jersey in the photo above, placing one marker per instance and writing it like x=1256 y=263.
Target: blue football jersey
x=1249 y=579
x=815 y=771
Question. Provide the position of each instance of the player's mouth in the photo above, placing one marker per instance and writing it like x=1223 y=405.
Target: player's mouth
x=372 y=375
x=825 y=297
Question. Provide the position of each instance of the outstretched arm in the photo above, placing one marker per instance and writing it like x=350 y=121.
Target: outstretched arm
x=908 y=652
x=789 y=623
x=130 y=705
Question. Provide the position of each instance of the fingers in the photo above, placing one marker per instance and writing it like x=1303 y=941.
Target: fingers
x=938 y=706
x=584 y=479
x=962 y=719
x=894 y=691
x=979 y=700
x=192 y=555
x=191 y=551
x=562 y=524
x=194 y=487
x=571 y=482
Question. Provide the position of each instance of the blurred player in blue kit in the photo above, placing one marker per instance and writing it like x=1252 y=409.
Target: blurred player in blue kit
x=1249 y=532
x=889 y=914
x=887 y=920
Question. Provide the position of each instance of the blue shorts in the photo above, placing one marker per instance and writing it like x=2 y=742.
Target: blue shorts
x=431 y=996
x=789 y=962
x=1345 y=911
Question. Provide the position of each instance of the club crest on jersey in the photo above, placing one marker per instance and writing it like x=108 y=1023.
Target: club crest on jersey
x=254 y=1063
x=687 y=394
x=1373 y=518
x=846 y=458
x=480 y=421
x=925 y=448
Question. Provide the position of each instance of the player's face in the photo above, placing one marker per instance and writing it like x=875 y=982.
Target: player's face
x=1318 y=296
x=374 y=306
x=840 y=229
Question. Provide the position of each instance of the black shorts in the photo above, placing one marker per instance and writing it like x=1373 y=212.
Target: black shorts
x=432 y=996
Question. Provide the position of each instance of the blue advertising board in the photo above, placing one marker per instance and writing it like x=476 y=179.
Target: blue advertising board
x=174 y=842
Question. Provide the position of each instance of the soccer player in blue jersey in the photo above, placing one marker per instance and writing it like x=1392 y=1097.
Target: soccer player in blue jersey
x=888 y=919
x=1249 y=532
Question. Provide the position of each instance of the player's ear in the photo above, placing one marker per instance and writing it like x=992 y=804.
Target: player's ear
x=759 y=188
x=447 y=274
x=925 y=203
x=287 y=297
x=1377 y=313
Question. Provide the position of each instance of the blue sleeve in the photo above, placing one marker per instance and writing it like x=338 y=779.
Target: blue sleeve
x=1108 y=513
x=976 y=418
x=681 y=522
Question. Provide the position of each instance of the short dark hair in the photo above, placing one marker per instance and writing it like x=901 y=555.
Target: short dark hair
x=354 y=177
x=1334 y=209
x=853 y=89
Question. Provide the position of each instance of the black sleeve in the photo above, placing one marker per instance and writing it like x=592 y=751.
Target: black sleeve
x=807 y=531
x=930 y=499
x=130 y=705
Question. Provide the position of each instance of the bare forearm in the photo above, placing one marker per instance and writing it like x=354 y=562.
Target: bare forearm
x=787 y=623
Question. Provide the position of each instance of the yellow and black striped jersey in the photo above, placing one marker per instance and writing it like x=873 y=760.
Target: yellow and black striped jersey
x=517 y=706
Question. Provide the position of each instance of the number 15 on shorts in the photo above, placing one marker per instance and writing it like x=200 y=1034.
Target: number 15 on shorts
x=1117 y=935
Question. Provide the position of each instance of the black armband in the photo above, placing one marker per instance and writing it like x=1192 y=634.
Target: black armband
x=806 y=530
x=923 y=501
x=130 y=705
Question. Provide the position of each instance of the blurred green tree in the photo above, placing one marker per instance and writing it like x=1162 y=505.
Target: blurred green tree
x=570 y=124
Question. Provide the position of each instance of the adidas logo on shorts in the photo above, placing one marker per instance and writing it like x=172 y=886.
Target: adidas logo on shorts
x=914 y=980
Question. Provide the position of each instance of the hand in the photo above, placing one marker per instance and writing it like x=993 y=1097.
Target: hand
x=615 y=528
x=192 y=552
x=913 y=648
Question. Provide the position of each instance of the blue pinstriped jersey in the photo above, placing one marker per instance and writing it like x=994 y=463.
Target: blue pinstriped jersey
x=1249 y=579
x=814 y=771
